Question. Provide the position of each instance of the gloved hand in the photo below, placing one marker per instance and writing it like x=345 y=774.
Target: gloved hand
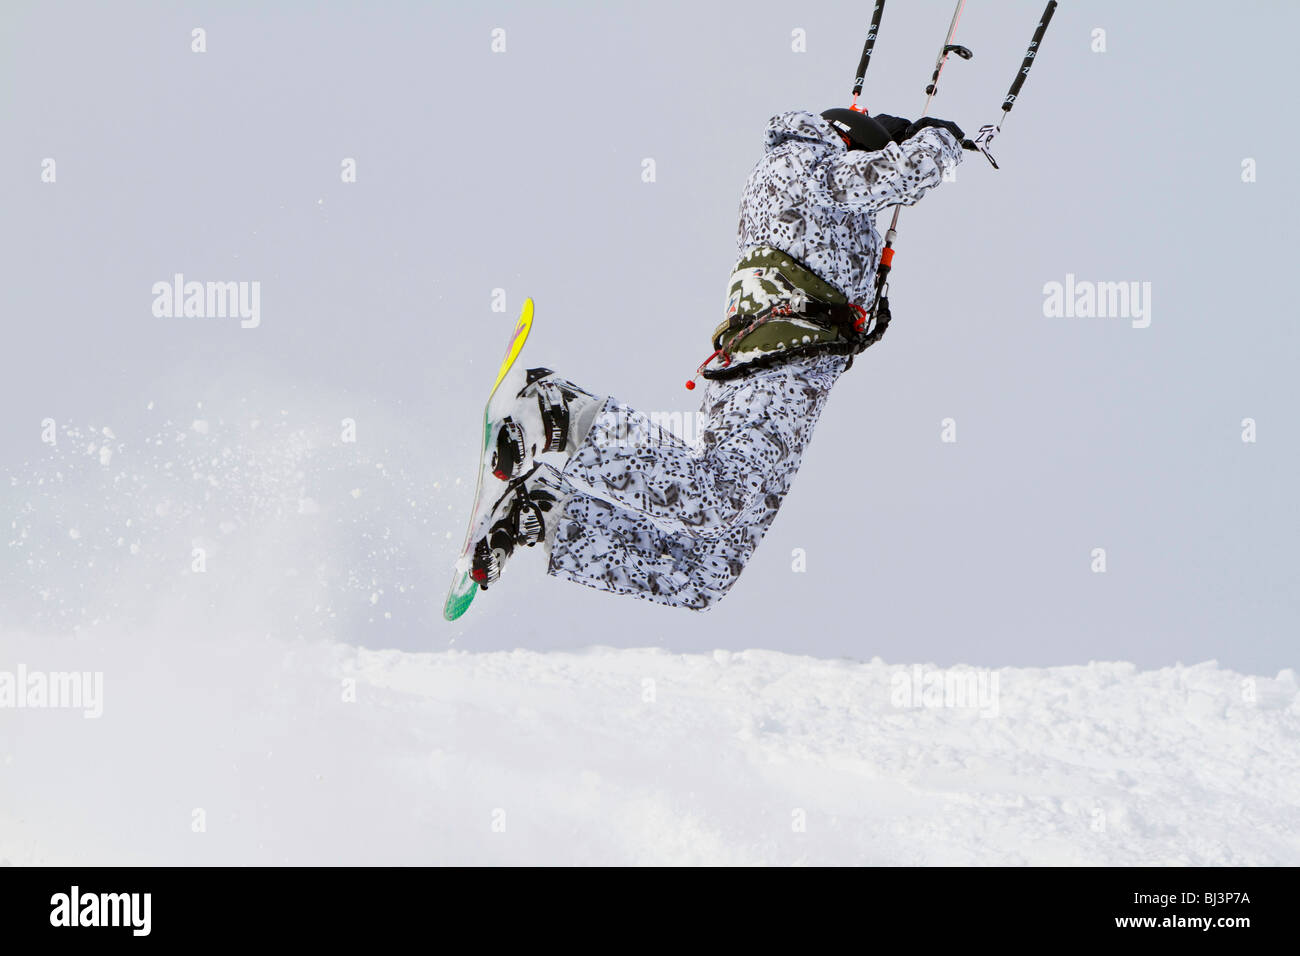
x=927 y=122
x=895 y=126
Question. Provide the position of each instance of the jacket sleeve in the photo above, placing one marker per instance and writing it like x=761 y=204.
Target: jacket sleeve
x=896 y=175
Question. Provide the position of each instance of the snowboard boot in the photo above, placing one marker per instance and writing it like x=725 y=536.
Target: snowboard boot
x=521 y=517
x=548 y=415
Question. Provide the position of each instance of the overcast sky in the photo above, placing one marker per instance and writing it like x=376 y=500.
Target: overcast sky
x=522 y=170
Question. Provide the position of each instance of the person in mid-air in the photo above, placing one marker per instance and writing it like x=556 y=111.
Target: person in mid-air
x=625 y=506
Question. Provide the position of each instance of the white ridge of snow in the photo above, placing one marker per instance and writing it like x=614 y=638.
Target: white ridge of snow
x=312 y=752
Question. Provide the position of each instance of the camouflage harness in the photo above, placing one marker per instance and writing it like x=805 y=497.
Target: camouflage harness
x=778 y=309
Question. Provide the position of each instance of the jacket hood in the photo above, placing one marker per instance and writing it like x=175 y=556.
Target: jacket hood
x=800 y=126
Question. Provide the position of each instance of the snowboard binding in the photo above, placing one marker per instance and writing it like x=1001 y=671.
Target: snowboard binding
x=521 y=523
x=530 y=431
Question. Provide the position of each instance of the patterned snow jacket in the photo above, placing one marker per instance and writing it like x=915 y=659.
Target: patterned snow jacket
x=814 y=199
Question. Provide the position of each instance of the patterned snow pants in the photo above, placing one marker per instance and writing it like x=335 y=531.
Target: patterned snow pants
x=655 y=517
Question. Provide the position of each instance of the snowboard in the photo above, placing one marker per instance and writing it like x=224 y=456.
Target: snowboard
x=463 y=587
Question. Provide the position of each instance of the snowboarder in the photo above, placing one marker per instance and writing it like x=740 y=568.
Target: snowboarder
x=622 y=505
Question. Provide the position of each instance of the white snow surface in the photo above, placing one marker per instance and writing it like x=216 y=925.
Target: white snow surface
x=617 y=756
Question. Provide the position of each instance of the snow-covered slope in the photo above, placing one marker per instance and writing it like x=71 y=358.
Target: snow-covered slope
x=313 y=752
